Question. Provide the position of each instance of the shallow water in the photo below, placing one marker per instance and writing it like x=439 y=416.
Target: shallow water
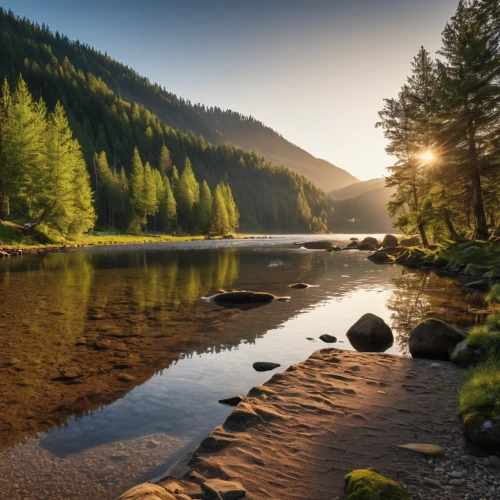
x=112 y=366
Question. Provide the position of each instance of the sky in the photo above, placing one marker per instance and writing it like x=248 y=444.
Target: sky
x=316 y=71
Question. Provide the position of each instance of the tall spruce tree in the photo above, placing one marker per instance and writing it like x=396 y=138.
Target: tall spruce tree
x=204 y=209
x=219 y=221
x=470 y=99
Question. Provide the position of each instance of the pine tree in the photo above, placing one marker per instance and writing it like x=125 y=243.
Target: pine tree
x=168 y=208
x=136 y=192
x=23 y=142
x=219 y=222
x=232 y=210
x=165 y=163
x=204 y=209
x=187 y=194
x=470 y=99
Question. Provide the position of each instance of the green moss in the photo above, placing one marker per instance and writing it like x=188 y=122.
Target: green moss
x=369 y=484
x=494 y=294
x=487 y=336
x=480 y=391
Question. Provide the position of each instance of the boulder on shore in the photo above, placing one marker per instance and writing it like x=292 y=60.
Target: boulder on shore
x=316 y=245
x=411 y=241
x=434 y=339
x=390 y=241
x=379 y=256
x=483 y=431
x=462 y=354
x=370 y=334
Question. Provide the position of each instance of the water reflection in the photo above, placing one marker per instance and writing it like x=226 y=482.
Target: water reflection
x=82 y=330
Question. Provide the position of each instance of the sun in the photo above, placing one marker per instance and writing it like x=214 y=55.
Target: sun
x=427 y=156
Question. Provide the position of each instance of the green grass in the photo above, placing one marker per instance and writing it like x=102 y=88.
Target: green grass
x=12 y=237
x=480 y=391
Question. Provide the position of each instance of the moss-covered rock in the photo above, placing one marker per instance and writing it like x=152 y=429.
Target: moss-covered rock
x=369 y=484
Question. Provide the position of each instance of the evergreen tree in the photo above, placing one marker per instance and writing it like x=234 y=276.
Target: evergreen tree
x=23 y=142
x=470 y=99
x=232 y=210
x=204 y=209
x=165 y=163
x=219 y=222
x=168 y=208
x=136 y=192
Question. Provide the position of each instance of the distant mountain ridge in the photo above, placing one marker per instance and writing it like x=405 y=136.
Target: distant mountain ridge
x=362 y=207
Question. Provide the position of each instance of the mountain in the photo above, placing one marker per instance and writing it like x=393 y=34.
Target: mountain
x=356 y=189
x=213 y=124
x=112 y=109
x=251 y=134
x=362 y=208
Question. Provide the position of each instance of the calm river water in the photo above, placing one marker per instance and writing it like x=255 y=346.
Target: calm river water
x=112 y=365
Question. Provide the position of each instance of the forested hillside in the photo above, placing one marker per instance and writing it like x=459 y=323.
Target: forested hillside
x=213 y=124
x=99 y=97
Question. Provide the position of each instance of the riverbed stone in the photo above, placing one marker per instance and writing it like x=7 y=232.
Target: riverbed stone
x=232 y=401
x=265 y=366
x=434 y=339
x=370 y=333
x=218 y=489
x=483 y=431
x=329 y=339
x=430 y=450
x=300 y=286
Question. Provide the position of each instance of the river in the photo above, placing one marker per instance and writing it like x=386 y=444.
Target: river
x=112 y=364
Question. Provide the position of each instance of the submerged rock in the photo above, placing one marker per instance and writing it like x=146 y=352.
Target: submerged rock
x=316 y=245
x=380 y=257
x=334 y=248
x=232 y=401
x=265 y=366
x=370 y=334
x=243 y=297
x=369 y=484
x=434 y=339
x=217 y=489
x=329 y=339
x=300 y=286
x=354 y=245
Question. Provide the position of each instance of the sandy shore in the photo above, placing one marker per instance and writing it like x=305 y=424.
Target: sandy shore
x=298 y=435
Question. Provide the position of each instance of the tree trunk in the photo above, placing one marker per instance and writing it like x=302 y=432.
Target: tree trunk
x=480 y=223
x=449 y=224
x=423 y=235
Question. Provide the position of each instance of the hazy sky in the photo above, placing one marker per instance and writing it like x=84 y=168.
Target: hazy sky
x=314 y=70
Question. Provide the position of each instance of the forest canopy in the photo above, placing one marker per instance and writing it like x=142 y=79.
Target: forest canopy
x=444 y=131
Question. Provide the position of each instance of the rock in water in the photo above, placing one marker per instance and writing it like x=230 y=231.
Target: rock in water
x=369 y=243
x=431 y=450
x=243 y=297
x=369 y=484
x=147 y=491
x=434 y=339
x=390 y=241
x=354 y=245
x=264 y=366
x=233 y=401
x=217 y=489
x=379 y=256
x=329 y=339
x=300 y=286
x=370 y=334
x=316 y=245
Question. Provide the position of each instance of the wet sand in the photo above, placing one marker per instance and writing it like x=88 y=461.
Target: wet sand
x=299 y=434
